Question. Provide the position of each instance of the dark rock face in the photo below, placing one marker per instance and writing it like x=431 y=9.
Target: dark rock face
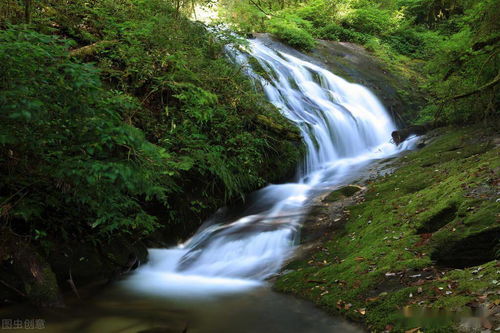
x=86 y=264
x=27 y=274
x=355 y=64
x=470 y=251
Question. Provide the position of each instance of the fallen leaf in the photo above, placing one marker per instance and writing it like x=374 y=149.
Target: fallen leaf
x=372 y=299
x=362 y=311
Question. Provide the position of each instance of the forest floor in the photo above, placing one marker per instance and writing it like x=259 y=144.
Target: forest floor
x=413 y=250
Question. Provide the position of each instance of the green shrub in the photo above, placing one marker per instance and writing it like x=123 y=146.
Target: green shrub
x=336 y=32
x=414 y=43
x=369 y=20
x=66 y=155
x=291 y=33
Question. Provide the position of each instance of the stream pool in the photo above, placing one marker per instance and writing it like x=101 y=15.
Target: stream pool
x=116 y=309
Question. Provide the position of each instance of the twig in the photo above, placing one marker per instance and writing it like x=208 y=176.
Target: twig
x=72 y=284
x=475 y=91
x=262 y=10
x=13 y=288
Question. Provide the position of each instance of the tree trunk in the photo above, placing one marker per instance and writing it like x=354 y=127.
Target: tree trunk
x=27 y=11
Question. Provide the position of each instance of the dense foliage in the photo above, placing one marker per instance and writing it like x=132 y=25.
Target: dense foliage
x=67 y=157
x=452 y=44
x=161 y=128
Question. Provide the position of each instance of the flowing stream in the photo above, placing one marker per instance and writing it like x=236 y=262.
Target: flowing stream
x=216 y=281
x=344 y=127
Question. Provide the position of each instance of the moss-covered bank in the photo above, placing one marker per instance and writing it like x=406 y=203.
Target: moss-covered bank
x=420 y=248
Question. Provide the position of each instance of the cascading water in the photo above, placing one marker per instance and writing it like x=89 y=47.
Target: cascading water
x=344 y=127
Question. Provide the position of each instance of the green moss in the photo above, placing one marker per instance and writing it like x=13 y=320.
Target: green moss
x=274 y=126
x=440 y=196
x=46 y=290
x=257 y=68
x=343 y=192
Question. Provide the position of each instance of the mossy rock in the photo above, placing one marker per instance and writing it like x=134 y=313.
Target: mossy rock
x=271 y=124
x=342 y=193
x=29 y=274
x=258 y=69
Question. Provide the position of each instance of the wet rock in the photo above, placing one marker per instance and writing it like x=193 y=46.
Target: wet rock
x=403 y=134
x=421 y=144
x=86 y=264
x=343 y=192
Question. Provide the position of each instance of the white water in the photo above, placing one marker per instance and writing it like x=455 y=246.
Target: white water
x=344 y=128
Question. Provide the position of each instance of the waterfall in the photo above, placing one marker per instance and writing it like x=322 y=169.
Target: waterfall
x=344 y=128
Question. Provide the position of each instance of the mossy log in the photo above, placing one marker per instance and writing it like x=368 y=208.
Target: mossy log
x=401 y=135
x=92 y=49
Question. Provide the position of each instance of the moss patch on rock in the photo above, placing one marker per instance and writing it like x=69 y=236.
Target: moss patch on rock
x=342 y=193
x=408 y=255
